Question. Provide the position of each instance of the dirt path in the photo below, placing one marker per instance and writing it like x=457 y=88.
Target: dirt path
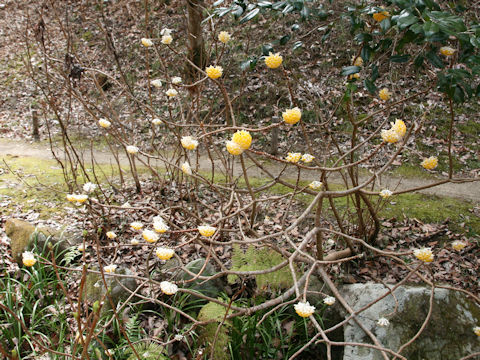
x=466 y=191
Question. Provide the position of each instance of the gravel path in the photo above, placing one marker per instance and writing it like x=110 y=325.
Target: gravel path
x=467 y=191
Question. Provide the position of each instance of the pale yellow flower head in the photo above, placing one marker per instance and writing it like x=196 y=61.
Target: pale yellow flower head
x=293 y=157
x=354 y=76
x=189 y=142
x=168 y=288
x=89 y=187
x=134 y=242
x=28 y=258
x=156 y=83
x=214 y=72
x=82 y=247
x=171 y=93
x=385 y=193
x=382 y=15
x=147 y=42
x=136 y=225
x=307 y=158
x=447 y=50
x=476 y=330
x=292 y=116
x=150 y=236
x=104 y=123
x=390 y=136
x=159 y=225
x=424 y=254
x=110 y=268
x=430 y=163
x=243 y=139
x=458 y=245
x=383 y=322
x=233 y=148
x=111 y=235
x=157 y=121
x=315 y=185
x=399 y=127
x=131 y=149
x=273 y=61
x=176 y=80
x=206 y=230
x=357 y=61
x=304 y=309
x=385 y=94
x=187 y=170
x=329 y=300
x=167 y=39
x=79 y=199
x=164 y=253
x=224 y=37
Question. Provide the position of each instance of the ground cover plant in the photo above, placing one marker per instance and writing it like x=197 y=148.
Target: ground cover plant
x=254 y=140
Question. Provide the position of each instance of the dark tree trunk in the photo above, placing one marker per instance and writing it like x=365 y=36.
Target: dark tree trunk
x=196 y=47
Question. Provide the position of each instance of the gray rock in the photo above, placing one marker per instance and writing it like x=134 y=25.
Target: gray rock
x=95 y=288
x=23 y=235
x=447 y=336
x=211 y=287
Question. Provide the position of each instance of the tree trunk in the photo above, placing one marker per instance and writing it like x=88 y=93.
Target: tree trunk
x=196 y=47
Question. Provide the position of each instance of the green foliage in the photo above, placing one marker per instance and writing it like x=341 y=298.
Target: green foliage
x=422 y=27
x=147 y=351
x=279 y=336
x=212 y=311
x=261 y=259
x=34 y=300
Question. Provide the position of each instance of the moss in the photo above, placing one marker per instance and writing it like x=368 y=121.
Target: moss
x=433 y=209
x=214 y=311
x=147 y=351
x=260 y=259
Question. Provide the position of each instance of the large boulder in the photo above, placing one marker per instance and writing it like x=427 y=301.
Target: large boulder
x=447 y=336
x=210 y=288
x=23 y=235
x=120 y=287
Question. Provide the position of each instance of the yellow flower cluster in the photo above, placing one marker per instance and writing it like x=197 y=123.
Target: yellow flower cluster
x=476 y=330
x=111 y=235
x=384 y=94
x=187 y=170
x=164 y=253
x=79 y=199
x=315 y=185
x=357 y=61
x=150 y=236
x=159 y=225
x=293 y=157
x=292 y=116
x=430 y=163
x=381 y=15
x=189 y=142
x=214 y=72
x=28 y=259
x=385 y=193
x=424 y=254
x=104 y=123
x=147 y=42
x=168 y=288
x=110 y=268
x=307 y=158
x=206 y=230
x=241 y=141
x=447 y=50
x=329 y=300
x=136 y=225
x=273 y=61
x=224 y=37
x=304 y=309
x=458 y=245
x=395 y=133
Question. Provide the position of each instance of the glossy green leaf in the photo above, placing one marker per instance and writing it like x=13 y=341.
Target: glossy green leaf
x=399 y=58
x=249 y=15
x=370 y=86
